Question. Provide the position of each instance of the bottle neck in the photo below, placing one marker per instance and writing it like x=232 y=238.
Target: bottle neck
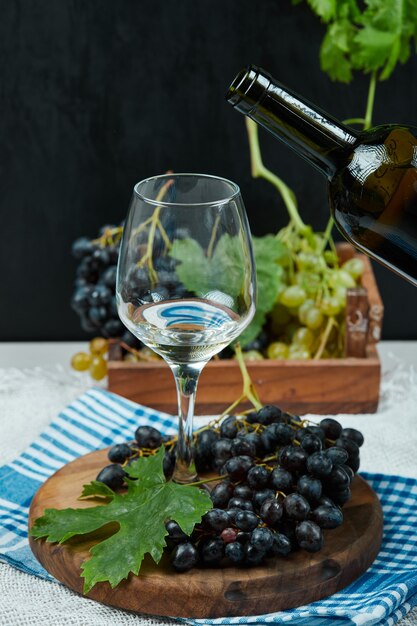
x=312 y=133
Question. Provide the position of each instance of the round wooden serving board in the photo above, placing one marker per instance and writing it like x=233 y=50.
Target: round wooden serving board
x=281 y=583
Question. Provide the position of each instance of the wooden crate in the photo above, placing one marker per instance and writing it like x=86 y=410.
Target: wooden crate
x=347 y=385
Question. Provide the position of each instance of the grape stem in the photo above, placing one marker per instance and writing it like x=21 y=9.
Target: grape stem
x=249 y=392
x=259 y=170
x=155 y=223
x=330 y=323
x=367 y=123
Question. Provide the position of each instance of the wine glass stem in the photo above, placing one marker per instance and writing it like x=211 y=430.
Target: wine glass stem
x=186 y=379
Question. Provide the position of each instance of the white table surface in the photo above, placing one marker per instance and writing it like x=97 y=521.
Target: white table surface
x=49 y=355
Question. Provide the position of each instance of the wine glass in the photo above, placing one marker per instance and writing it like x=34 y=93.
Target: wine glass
x=186 y=281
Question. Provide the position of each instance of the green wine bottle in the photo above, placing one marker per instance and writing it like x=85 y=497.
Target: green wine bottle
x=372 y=174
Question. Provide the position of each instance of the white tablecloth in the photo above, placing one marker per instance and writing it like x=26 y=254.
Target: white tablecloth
x=30 y=398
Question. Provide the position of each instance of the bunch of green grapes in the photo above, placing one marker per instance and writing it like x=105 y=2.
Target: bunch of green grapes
x=94 y=360
x=307 y=320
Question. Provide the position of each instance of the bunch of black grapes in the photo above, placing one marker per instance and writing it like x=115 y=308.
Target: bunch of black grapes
x=282 y=483
x=94 y=298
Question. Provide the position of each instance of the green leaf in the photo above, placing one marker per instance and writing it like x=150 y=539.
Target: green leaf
x=374 y=37
x=140 y=515
x=325 y=9
x=335 y=51
x=97 y=489
x=388 y=26
x=224 y=270
x=269 y=253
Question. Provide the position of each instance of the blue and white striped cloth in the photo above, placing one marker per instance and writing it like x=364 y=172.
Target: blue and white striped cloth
x=382 y=596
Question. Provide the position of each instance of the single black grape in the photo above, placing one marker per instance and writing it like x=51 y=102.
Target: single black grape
x=309 y=536
x=184 y=557
x=212 y=551
x=281 y=479
x=243 y=491
x=238 y=466
x=327 y=516
x=148 y=437
x=354 y=435
x=221 y=494
x=296 y=506
x=310 y=488
x=216 y=519
x=258 y=477
x=222 y=450
x=112 y=328
x=246 y=520
x=319 y=465
x=337 y=455
x=268 y=414
x=228 y=428
x=331 y=428
x=203 y=449
x=293 y=458
x=112 y=476
x=243 y=446
x=234 y=551
x=262 y=539
x=311 y=443
x=119 y=453
x=271 y=511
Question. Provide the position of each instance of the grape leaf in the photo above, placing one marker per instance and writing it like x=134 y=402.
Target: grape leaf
x=268 y=253
x=140 y=515
x=224 y=270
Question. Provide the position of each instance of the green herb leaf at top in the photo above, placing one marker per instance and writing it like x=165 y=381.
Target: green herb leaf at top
x=140 y=515
x=373 y=36
x=388 y=27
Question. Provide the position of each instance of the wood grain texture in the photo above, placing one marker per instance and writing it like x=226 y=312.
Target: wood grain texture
x=280 y=584
x=349 y=385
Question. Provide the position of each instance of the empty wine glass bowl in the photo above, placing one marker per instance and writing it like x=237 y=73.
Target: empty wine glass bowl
x=186 y=280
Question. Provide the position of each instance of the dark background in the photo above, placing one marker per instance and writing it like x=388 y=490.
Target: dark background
x=97 y=95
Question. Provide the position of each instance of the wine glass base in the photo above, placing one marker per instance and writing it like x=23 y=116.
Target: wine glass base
x=184 y=475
